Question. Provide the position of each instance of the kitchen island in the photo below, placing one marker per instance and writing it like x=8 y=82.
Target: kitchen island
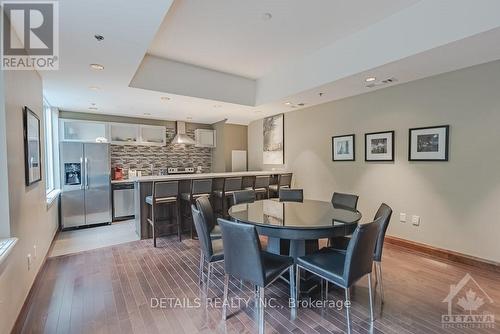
x=144 y=187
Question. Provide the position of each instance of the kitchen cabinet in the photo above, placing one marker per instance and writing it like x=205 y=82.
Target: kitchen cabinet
x=124 y=134
x=83 y=131
x=205 y=138
x=152 y=135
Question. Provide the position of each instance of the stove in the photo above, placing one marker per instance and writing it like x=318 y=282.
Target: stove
x=180 y=170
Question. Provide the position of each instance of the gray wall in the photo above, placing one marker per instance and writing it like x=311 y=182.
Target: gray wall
x=458 y=201
x=30 y=220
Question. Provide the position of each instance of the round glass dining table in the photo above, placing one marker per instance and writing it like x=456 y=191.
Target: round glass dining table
x=299 y=224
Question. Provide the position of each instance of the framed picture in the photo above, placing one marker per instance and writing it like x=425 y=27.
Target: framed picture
x=379 y=146
x=274 y=148
x=32 y=159
x=429 y=143
x=343 y=148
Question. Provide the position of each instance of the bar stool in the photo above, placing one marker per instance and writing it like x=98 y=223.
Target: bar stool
x=261 y=186
x=230 y=185
x=284 y=181
x=198 y=188
x=164 y=192
x=247 y=182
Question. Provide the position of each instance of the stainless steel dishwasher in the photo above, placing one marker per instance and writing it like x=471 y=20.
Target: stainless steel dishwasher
x=123 y=201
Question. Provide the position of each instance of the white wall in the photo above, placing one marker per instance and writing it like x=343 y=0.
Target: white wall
x=30 y=220
x=458 y=201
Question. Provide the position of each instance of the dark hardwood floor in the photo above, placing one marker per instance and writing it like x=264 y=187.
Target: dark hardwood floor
x=109 y=290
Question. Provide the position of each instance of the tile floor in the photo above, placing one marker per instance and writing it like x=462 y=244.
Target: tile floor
x=75 y=241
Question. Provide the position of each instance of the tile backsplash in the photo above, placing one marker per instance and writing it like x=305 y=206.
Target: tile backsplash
x=161 y=157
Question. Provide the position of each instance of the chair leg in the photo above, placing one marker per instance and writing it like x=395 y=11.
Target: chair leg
x=378 y=266
x=153 y=224
x=348 y=309
x=293 y=310
x=262 y=309
x=297 y=284
x=224 y=301
x=209 y=272
x=370 y=295
x=326 y=290
x=202 y=260
x=178 y=218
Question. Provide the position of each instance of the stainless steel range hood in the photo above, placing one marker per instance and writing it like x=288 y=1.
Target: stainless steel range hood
x=181 y=137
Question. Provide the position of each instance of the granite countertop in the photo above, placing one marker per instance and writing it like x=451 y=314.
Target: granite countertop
x=197 y=176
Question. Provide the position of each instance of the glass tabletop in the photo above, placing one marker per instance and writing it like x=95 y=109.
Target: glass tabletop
x=309 y=214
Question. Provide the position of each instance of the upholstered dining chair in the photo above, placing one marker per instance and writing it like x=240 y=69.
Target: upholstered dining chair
x=245 y=260
x=211 y=251
x=345 y=200
x=384 y=212
x=291 y=195
x=345 y=268
x=205 y=207
x=244 y=196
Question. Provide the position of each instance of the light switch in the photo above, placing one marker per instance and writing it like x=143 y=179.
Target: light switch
x=415 y=220
x=402 y=217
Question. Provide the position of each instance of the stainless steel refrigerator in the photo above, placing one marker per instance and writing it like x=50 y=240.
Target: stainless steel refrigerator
x=86 y=184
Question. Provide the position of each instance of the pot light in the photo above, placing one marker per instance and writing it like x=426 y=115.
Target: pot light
x=147 y=114
x=93 y=108
x=97 y=67
x=99 y=37
x=94 y=88
x=370 y=79
x=288 y=103
x=165 y=98
x=267 y=16
x=301 y=104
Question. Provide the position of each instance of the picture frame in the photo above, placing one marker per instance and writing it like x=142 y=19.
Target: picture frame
x=429 y=143
x=344 y=148
x=32 y=147
x=379 y=146
x=273 y=133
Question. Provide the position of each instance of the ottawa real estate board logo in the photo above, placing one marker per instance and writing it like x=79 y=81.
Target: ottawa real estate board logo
x=30 y=35
x=468 y=306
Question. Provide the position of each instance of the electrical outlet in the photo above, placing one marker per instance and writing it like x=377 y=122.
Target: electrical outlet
x=415 y=220
x=29 y=261
x=402 y=217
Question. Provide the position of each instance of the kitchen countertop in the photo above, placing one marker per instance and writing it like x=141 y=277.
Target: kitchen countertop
x=197 y=176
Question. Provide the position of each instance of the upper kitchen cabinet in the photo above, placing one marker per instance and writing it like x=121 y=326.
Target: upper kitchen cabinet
x=205 y=138
x=124 y=134
x=153 y=135
x=83 y=131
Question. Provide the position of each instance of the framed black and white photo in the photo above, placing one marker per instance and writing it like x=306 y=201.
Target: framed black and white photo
x=274 y=148
x=32 y=159
x=343 y=148
x=379 y=146
x=429 y=143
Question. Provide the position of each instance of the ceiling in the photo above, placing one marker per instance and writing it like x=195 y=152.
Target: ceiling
x=222 y=59
x=235 y=36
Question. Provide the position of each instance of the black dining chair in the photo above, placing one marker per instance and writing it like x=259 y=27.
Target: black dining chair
x=384 y=212
x=229 y=186
x=261 y=186
x=244 y=196
x=245 y=260
x=205 y=207
x=291 y=195
x=345 y=200
x=345 y=268
x=284 y=181
x=211 y=251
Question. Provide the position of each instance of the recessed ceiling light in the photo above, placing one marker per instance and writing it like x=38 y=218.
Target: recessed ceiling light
x=93 y=108
x=94 y=88
x=92 y=104
x=147 y=114
x=301 y=104
x=321 y=94
x=370 y=79
x=267 y=16
x=288 y=103
x=97 y=67
x=165 y=98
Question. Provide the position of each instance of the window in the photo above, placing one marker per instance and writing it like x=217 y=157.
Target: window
x=50 y=116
